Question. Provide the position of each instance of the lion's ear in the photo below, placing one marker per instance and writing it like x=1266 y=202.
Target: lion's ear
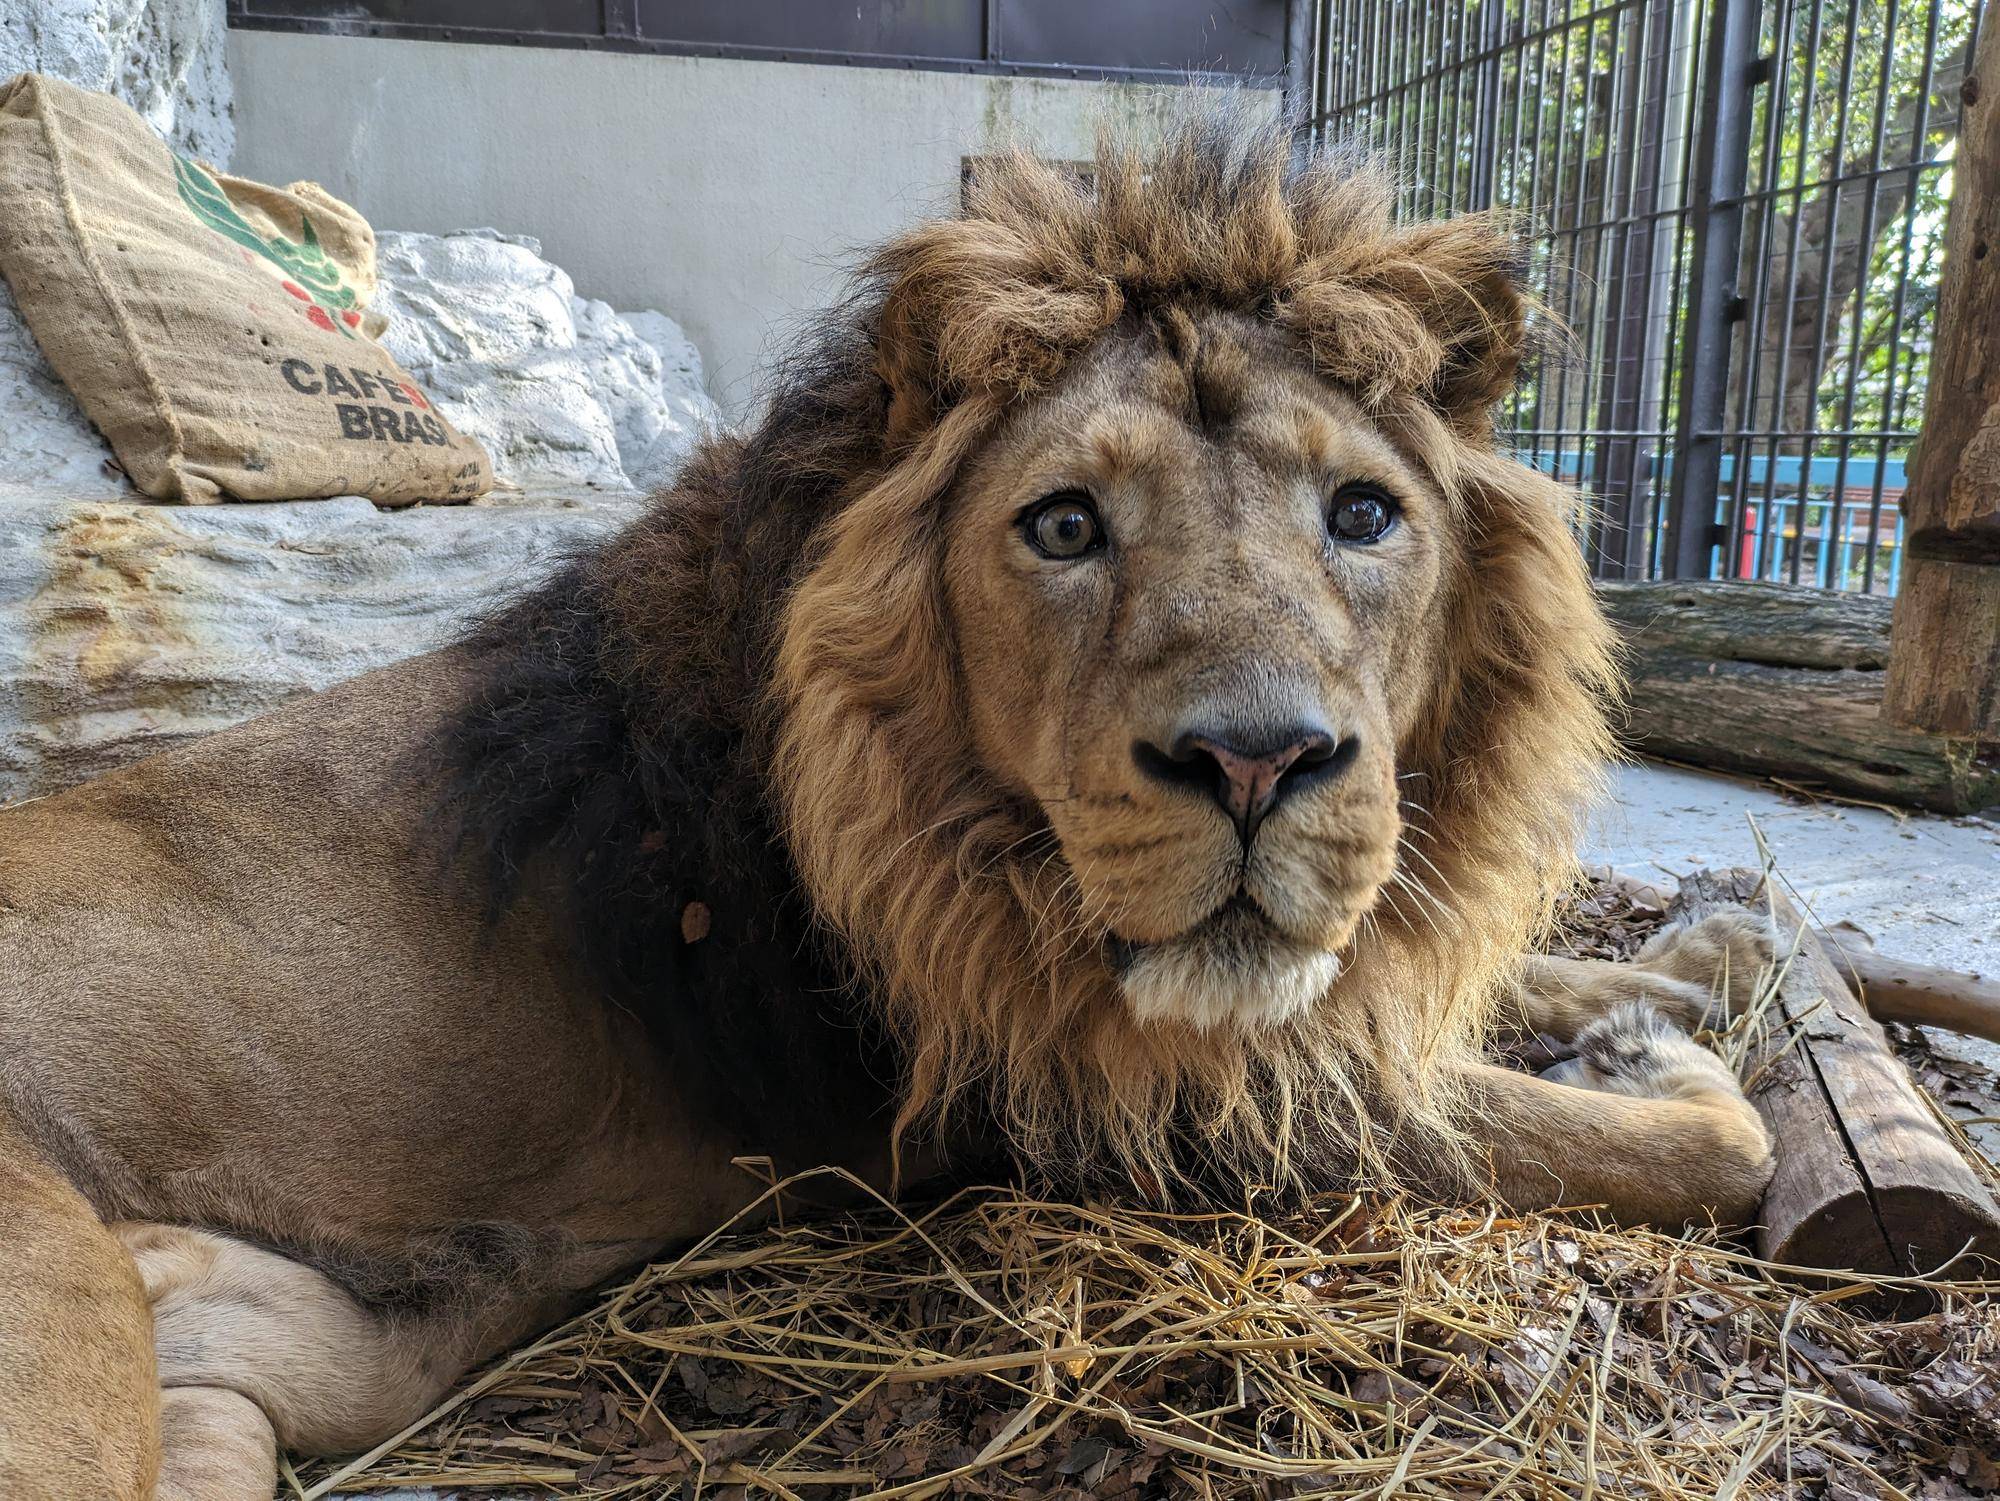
x=906 y=361
x=1433 y=311
x=977 y=306
x=1466 y=288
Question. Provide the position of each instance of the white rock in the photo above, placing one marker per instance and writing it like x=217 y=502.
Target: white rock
x=165 y=59
x=162 y=57
x=560 y=390
x=44 y=438
x=126 y=628
x=689 y=414
x=472 y=297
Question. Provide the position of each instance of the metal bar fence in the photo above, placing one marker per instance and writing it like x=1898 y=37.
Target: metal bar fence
x=1735 y=208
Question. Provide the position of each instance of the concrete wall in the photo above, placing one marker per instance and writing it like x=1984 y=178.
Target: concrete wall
x=726 y=193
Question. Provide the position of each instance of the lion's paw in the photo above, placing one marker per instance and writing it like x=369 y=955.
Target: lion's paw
x=1704 y=1140
x=1634 y=1050
x=1715 y=966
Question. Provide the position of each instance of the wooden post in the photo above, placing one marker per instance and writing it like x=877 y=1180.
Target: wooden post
x=1867 y=1179
x=1944 y=657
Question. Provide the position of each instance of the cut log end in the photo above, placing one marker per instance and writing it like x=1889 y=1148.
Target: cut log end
x=1868 y=1179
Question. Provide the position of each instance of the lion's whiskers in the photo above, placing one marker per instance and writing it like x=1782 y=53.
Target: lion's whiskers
x=925 y=832
x=1081 y=921
x=1083 y=926
x=1429 y=904
x=1429 y=864
x=1409 y=805
x=1405 y=879
x=993 y=859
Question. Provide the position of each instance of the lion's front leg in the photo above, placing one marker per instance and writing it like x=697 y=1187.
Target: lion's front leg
x=1644 y=1120
x=1699 y=974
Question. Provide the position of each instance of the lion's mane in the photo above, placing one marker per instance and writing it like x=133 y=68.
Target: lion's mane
x=752 y=692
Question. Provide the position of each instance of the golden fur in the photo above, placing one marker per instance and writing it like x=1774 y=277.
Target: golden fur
x=345 y=1048
x=935 y=880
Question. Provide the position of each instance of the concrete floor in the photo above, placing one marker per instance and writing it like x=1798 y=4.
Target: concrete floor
x=1924 y=888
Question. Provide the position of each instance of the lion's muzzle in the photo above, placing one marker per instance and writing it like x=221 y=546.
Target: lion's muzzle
x=1248 y=771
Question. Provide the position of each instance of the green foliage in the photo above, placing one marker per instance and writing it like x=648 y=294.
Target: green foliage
x=1867 y=111
x=1535 y=107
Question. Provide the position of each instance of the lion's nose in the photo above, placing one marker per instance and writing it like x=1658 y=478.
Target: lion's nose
x=1248 y=779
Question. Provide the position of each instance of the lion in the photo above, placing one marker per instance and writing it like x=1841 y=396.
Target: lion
x=1120 y=712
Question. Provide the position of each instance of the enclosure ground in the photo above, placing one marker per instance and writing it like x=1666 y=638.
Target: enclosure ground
x=1925 y=888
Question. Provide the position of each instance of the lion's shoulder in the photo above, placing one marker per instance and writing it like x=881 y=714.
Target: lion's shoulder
x=643 y=825
x=337 y=766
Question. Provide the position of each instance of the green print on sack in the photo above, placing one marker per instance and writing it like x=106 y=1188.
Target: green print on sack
x=309 y=275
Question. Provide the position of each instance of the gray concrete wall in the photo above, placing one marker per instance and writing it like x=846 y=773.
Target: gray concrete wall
x=726 y=193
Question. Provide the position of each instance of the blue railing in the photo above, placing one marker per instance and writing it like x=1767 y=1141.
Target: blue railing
x=1788 y=508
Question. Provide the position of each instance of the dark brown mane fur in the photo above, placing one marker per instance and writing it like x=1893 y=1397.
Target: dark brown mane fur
x=616 y=752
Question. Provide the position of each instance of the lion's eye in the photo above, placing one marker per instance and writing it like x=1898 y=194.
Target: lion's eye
x=1360 y=513
x=1063 y=526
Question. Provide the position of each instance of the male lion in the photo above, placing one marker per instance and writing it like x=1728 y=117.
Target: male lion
x=1120 y=707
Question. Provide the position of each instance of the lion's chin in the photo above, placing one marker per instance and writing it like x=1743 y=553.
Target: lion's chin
x=1234 y=970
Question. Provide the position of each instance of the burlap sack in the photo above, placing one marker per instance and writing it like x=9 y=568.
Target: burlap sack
x=214 y=329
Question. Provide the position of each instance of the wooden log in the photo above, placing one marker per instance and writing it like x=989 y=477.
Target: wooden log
x=1743 y=620
x=1788 y=683
x=1922 y=995
x=1897 y=990
x=1867 y=1179
x=1944 y=668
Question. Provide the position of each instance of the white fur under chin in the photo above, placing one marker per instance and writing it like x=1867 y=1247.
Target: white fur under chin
x=1177 y=982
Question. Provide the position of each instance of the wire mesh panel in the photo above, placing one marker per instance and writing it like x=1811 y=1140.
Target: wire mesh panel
x=1735 y=208
x=1842 y=240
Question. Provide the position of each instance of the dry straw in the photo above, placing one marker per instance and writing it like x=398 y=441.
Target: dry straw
x=1001 y=1345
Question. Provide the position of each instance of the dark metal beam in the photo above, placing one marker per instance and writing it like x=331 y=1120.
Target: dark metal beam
x=1730 y=76
x=242 y=19
x=1299 y=19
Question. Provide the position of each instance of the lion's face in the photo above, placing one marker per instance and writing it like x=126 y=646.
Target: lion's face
x=1161 y=541
x=1194 y=596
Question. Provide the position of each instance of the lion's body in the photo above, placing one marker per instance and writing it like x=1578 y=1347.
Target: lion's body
x=244 y=987
x=823 y=812
x=189 y=1029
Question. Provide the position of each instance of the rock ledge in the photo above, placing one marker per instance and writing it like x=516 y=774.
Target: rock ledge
x=126 y=628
